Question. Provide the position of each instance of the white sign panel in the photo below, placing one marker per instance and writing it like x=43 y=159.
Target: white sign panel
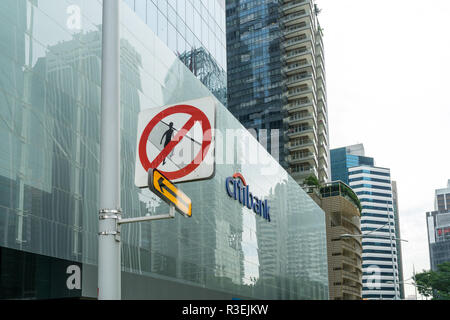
x=178 y=140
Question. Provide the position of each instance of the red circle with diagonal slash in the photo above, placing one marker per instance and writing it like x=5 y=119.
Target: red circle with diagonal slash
x=196 y=116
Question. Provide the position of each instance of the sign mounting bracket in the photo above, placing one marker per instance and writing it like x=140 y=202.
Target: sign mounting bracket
x=170 y=215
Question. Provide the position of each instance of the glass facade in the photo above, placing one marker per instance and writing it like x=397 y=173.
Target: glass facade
x=341 y=160
x=49 y=171
x=254 y=65
x=195 y=31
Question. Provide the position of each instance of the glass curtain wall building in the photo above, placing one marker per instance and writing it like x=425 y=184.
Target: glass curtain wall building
x=379 y=220
x=344 y=158
x=50 y=97
x=276 y=80
x=195 y=31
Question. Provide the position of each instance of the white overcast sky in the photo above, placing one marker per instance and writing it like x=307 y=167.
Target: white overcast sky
x=388 y=80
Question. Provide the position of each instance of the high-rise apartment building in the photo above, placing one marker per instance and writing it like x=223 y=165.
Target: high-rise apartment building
x=438 y=222
x=276 y=79
x=379 y=220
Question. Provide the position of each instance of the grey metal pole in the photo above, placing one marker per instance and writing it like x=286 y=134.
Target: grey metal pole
x=109 y=265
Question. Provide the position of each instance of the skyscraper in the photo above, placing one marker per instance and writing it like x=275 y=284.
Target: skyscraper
x=276 y=79
x=379 y=220
x=438 y=223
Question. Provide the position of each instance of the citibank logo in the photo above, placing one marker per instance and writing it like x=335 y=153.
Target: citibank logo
x=238 y=189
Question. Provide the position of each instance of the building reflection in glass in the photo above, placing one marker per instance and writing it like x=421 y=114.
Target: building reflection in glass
x=50 y=108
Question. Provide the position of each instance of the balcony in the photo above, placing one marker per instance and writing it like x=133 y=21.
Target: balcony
x=320 y=78
x=323 y=128
x=294 y=6
x=351 y=290
x=323 y=158
x=298 y=105
x=320 y=71
x=356 y=250
x=298 y=158
x=353 y=262
x=298 y=118
x=339 y=188
x=297 y=42
x=300 y=67
x=301 y=173
x=298 y=54
x=321 y=97
x=323 y=136
x=352 y=276
x=320 y=86
x=297 y=79
x=322 y=148
x=301 y=70
x=319 y=43
x=303 y=15
x=298 y=93
x=298 y=30
x=321 y=106
x=321 y=119
x=308 y=131
x=296 y=146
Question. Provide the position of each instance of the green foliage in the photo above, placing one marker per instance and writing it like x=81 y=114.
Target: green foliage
x=434 y=284
x=312 y=181
x=349 y=192
x=337 y=188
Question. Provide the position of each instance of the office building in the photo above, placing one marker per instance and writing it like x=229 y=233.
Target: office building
x=343 y=217
x=344 y=158
x=381 y=254
x=276 y=80
x=438 y=223
x=49 y=176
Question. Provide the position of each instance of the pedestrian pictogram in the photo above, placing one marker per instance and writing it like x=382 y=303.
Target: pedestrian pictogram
x=168 y=137
x=177 y=140
x=164 y=188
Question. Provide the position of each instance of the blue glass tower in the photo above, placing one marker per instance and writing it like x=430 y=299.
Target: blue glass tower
x=344 y=158
x=254 y=64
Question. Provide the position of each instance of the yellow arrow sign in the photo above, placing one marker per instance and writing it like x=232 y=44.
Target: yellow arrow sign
x=166 y=190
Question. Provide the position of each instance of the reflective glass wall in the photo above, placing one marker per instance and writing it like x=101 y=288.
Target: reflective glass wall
x=254 y=66
x=195 y=31
x=49 y=165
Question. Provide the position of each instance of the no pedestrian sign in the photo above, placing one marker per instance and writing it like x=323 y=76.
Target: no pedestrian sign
x=177 y=140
